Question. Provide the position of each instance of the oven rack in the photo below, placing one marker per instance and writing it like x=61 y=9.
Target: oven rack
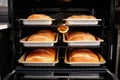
x=59 y=15
x=64 y=45
x=57 y=75
x=56 y=25
x=68 y=76
x=58 y=21
x=60 y=69
x=101 y=74
x=51 y=72
x=60 y=42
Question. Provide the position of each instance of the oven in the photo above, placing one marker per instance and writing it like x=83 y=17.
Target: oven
x=60 y=10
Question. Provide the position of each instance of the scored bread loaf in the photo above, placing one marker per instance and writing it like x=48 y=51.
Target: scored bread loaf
x=43 y=36
x=83 y=55
x=39 y=17
x=79 y=36
x=42 y=55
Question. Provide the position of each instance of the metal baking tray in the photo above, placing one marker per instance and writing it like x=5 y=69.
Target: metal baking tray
x=83 y=43
x=101 y=59
x=38 y=44
x=23 y=57
x=82 y=21
x=37 y=22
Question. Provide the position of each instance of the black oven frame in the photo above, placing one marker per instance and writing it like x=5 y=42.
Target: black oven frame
x=106 y=12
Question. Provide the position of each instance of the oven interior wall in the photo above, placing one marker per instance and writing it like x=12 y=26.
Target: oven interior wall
x=61 y=9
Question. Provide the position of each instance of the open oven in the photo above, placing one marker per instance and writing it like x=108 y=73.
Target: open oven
x=59 y=10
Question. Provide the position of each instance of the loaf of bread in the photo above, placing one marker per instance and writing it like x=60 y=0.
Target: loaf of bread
x=83 y=55
x=81 y=17
x=41 y=55
x=43 y=36
x=39 y=17
x=79 y=36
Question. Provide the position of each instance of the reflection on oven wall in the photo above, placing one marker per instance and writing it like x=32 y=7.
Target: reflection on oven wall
x=3 y=3
x=3 y=11
x=117 y=21
x=117 y=12
x=117 y=71
x=117 y=3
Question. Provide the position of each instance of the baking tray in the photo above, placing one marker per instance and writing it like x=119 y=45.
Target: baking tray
x=37 y=22
x=83 y=43
x=82 y=21
x=102 y=61
x=22 y=61
x=38 y=44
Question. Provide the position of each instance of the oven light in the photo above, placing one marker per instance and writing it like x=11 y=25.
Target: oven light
x=66 y=0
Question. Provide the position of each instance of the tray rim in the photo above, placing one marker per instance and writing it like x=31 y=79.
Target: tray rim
x=82 y=19
x=36 y=19
x=98 y=40
x=84 y=63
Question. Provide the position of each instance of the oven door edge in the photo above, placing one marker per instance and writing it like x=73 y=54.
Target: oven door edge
x=9 y=75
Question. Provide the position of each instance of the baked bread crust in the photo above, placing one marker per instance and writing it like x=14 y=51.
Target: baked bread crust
x=81 y=17
x=42 y=36
x=41 y=55
x=83 y=55
x=80 y=36
x=39 y=17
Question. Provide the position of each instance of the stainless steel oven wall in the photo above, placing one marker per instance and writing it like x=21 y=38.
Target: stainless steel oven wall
x=117 y=22
x=3 y=14
x=3 y=10
x=4 y=39
x=4 y=52
x=117 y=69
x=3 y=3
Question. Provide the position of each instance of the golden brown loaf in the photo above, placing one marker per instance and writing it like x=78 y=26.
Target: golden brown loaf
x=83 y=55
x=63 y=28
x=81 y=17
x=43 y=36
x=80 y=36
x=42 y=55
x=39 y=17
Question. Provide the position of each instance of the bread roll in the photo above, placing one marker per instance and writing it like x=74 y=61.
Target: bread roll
x=81 y=17
x=39 y=17
x=83 y=55
x=80 y=36
x=43 y=36
x=63 y=28
x=42 y=55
